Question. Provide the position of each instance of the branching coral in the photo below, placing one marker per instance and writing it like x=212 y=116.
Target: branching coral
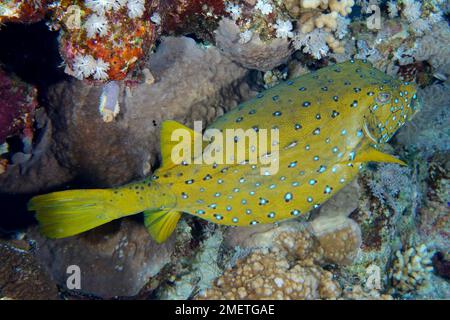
x=411 y=269
x=319 y=31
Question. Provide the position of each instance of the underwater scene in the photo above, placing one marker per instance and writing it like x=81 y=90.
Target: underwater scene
x=224 y=150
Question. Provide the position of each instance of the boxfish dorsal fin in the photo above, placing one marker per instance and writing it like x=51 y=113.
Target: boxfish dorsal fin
x=371 y=154
x=169 y=127
x=160 y=224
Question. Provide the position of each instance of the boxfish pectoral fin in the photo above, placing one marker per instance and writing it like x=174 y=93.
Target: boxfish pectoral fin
x=371 y=154
x=161 y=224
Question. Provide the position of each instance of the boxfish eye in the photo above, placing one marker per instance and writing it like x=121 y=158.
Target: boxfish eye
x=383 y=97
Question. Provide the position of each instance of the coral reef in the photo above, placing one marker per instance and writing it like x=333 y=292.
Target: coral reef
x=289 y=265
x=23 y=11
x=315 y=27
x=21 y=276
x=413 y=37
x=194 y=275
x=270 y=276
x=40 y=170
x=387 y=183
x=191 y=16
x=126 y=256
x=18 y=103
x=253 y=53
x=104 y=40
x=99 y=40
x=110 y=153
x=384 y=236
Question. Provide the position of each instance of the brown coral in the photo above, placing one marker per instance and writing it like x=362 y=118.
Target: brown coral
x=289 y=266
x=270 y=276
x=411 y=269
x=21 y=276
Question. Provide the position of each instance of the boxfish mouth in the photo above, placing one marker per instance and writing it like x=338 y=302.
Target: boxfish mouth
x=379 y=133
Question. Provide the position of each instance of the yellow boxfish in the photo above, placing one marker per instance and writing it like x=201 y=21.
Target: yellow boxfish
x=330 y=123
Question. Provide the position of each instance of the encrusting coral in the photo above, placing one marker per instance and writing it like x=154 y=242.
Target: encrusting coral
x=99 y=40
x=271 y=276
x=104 y=40
x=290 y=266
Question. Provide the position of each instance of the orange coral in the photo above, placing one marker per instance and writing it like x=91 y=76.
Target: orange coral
x=125 y=43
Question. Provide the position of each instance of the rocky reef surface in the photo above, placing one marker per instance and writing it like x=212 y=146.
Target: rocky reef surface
x=133 y=64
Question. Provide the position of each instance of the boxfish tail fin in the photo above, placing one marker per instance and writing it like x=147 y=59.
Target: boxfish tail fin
x=67 y=213
x=161 y=224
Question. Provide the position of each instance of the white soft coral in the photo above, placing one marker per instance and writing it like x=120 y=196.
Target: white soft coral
x=234 y=10
x=342 y=24
x=313 y=43
x=101 y=6
x=412 y=10
x=83 y=66
x=246 y=36
x=96 y=25
x=420 y=27
x=283 y=29
x=136 y=8
x=264 y=6
x=392 y=9
x=101 y=70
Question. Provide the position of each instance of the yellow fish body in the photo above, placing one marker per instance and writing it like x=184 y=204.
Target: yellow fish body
x=330 y=122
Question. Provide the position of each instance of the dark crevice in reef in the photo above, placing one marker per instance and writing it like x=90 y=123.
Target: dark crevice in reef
x=31 y=52
x=13 y=214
